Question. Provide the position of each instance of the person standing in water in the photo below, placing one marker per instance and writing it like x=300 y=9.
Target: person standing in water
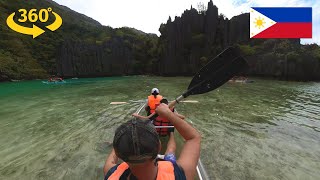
x=153 y=101
x=137 y=143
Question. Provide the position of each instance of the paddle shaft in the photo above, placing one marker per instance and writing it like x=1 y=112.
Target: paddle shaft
x=173 y=103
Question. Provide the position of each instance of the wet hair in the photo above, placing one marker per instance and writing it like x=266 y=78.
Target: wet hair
x=165 y=101
x=136 y=141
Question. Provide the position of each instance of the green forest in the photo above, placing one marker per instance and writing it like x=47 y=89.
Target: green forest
x=22 y=57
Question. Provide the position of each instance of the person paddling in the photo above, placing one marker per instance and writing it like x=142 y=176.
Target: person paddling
x=160 y=121
x=137 y=143
x=153 y=101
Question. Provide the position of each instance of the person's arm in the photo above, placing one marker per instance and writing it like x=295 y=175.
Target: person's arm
x=190 y=153
x=171 y=145
x=180 y=115
x=176 y=113
x=111 y=161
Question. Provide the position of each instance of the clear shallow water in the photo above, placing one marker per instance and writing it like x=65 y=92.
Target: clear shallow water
x=264 y=130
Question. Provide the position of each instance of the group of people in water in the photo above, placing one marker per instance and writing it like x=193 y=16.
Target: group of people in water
x=137 y=143
x=238 y=78
x=55 y=79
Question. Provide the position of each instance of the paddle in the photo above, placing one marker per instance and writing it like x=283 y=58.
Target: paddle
x=117 y=103
x=214 y=74
x=130 y=101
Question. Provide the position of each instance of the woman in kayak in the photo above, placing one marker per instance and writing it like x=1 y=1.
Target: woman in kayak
x=160 y=121
x=137 y=143
x=153 y=101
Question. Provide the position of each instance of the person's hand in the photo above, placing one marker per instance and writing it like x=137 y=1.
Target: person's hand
x=163 y=110
x=182 y=116
x=135 y=114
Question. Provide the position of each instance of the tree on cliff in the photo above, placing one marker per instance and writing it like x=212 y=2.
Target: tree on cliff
x=202 y=9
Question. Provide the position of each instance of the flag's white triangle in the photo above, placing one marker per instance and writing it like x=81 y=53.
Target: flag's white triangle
x=259 y=22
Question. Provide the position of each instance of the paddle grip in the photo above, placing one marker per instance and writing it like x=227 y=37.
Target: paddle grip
x=178 y=99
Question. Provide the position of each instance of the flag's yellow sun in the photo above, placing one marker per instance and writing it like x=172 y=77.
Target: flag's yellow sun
x=259 y=22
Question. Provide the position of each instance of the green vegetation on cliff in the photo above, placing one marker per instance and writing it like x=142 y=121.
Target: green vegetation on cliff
x=25 y=58
x=22 y=57
x=282 y=58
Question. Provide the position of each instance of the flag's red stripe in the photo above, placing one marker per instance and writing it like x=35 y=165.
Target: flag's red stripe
x=287 y=30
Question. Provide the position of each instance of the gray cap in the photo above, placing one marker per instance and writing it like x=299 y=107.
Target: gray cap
x=136 y=141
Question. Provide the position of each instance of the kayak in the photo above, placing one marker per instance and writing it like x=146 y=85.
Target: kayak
x=201 y=171
x=244 y=81
x=241 y=81
x=249 y=81
x=54 y=82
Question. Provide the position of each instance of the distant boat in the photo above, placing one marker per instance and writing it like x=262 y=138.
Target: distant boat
x=249 y=81
x=240 y=79
x=75 y=78
x=54 y=82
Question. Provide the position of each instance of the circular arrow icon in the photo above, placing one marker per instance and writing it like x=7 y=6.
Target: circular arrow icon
x=56 y=24
x=35 y=31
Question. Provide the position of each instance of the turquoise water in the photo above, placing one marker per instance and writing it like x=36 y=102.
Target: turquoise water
x=263 y=130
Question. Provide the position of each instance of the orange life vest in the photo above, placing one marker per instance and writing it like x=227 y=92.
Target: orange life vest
x=165 y=171
x=153 y=102
x=160 y=121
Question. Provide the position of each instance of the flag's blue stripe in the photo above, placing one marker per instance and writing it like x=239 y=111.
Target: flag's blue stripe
x=282 y=14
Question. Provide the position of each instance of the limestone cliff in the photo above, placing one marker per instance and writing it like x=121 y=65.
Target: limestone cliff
x=122 y=54
x=190 y=41
x=78 y=59
x=193 y=39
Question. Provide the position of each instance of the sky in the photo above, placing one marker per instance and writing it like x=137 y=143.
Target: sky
x=147 y=15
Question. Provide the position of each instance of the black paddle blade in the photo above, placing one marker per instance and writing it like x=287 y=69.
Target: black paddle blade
x=217 y=72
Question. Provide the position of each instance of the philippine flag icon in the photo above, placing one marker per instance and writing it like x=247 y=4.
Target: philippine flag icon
x=280 y=22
